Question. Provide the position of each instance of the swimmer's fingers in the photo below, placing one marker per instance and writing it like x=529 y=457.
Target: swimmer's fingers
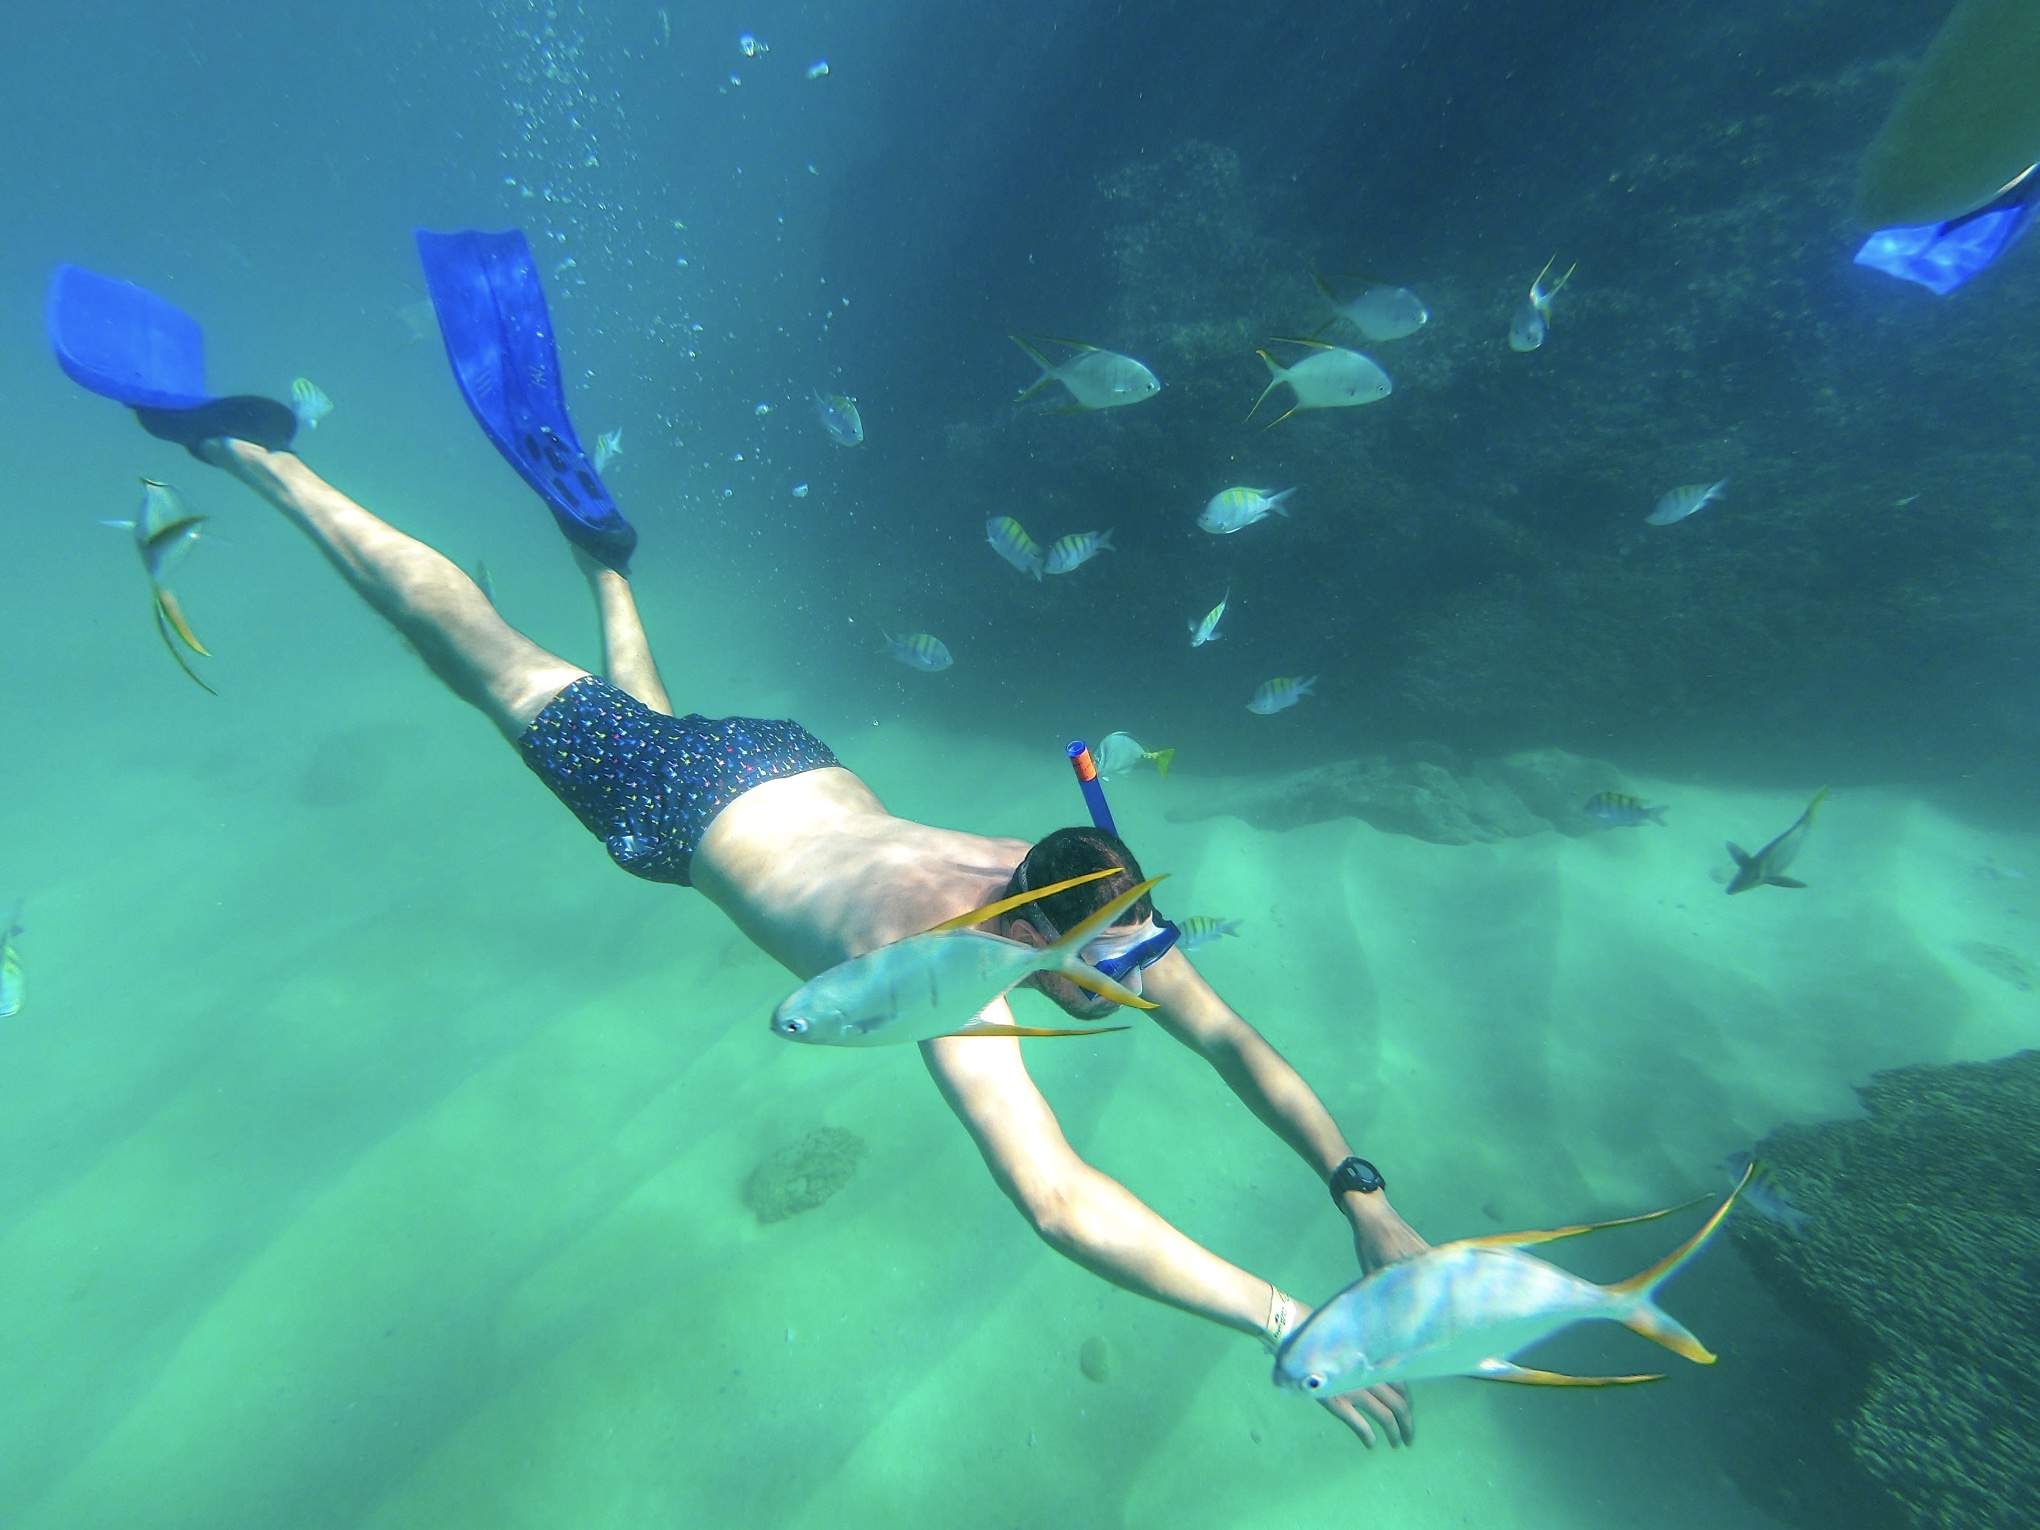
x=1376 y=1413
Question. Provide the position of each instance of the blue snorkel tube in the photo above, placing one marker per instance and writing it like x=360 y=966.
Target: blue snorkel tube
x=1093 y=789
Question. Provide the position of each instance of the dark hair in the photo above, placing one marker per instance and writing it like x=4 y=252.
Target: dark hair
x=1070 y=853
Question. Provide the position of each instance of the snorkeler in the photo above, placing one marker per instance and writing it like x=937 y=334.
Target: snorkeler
x=757 y=815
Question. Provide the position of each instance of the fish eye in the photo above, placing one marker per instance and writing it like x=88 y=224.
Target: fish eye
x=794 y=1025
x=1314 y=1382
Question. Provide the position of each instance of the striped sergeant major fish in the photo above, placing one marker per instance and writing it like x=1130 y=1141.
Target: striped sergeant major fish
x=1202 y=930
x=1767 y=867
x=1463 y=1308
x=919 y=650
x=1274 y=695
x=933 y=984
x=1618 y=810
x=1077 y=549
x=1009 y=539
x=309 y=403
x=1207 y=631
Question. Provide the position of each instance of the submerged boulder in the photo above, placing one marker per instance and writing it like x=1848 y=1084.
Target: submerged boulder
x=1921 y=1251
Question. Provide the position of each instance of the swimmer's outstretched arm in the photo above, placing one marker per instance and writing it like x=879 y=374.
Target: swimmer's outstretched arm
x=1093 y=1220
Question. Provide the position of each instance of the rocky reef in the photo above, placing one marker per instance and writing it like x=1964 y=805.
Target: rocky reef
x=803 y=1175
x=1921 y=1256
x=1427 y=791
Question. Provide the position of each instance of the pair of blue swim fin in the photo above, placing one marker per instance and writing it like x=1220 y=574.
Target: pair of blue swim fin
x=128 y=344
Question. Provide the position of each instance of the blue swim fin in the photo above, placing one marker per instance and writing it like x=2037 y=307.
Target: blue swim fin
x=499 y=339
x=1942 y=256
x=125 y=343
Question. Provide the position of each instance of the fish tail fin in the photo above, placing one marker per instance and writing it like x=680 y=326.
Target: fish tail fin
x=163 y=632
x=1784 y=882
x=1324 y=286
x=1640 y=1290
x=1278 y=373
x=1657 y=816
x=1105 y=540
x=1275 y=501
x=1739 y=855
x=1818 y=798
x=1092 y=980
x=1307 y=686
x=166 y=603
x=1047 y=370
x=1161 y=757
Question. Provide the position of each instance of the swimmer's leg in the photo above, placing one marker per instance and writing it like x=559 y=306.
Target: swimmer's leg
x=626 y=651
x=425 y=596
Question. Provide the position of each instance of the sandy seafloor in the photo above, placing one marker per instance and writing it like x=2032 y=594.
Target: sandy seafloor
x=373 y=1148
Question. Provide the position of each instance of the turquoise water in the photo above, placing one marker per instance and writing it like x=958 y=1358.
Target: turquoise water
x=373 y=1152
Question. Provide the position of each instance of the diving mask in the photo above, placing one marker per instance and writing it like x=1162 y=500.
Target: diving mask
x=1121 y=954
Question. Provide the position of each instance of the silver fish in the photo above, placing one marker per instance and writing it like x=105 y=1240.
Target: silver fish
x=12 y=984
x=1230 y=510
x=420 y=321
x=1009 y=539
x=1682 y=502
x=1767 y=867
x=1463 y=1308
x=1380 y=312
x=608 y=447
x=164 y=530
x=1275 y=695
x=1076 y=549
x=919 y=650
x=1207 y=631
x=1331 y=377
x=1527 y=329
x=1118 y=753
x=840 y=418
x=308 y=403
x=933 y=984
x=1095 y=379
x=1202 y=930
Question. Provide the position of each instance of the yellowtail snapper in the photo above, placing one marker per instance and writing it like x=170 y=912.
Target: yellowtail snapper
x=1463 y=1308
x=1766 y=868
x=840 y=418
x=1202 y=930
x=1230 y=510
x=1528 y=328
x=1076 y=549
x=1207 y=631
x=1095 y=379
x=308 y=403
x=1009 y=539
x=1329 y=378
x=12 y=984
x=1120 y=752
x=933 y=984
x=919 y=650
x=1619 y=811
x=1275 y=695
x=1683 y=501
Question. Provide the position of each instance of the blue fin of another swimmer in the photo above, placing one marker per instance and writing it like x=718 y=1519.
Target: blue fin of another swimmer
x=499 y=339
x=1942 y=256
x=125 y=343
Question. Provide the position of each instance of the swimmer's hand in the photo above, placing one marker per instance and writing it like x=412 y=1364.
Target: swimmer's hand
x=1380 y=1237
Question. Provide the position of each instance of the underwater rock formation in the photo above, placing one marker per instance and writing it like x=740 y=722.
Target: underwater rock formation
x=800 y=1177
x=1427 y=791
x=1922 y=1252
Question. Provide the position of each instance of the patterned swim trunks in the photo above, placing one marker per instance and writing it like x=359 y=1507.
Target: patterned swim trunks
x=648 y=785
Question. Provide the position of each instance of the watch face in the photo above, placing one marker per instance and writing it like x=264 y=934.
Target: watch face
x=1356 y=1174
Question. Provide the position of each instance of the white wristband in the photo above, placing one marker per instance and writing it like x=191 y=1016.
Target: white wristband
x=1281 y=1318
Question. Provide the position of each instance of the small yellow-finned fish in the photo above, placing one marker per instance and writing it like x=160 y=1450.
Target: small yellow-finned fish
x=1463 y=1308
x=1202 y=930
x=12 y=984
x=164 y=530
x=1681 y=502
x=308 y=403
x=1330 y=377
x=840 y=418
x=1533 y=320
x=608 y=447
x=1120 y=752
x=934 y=983
x=1095 y=379
x=1767 y=867
x=1066 y=554
x=1229 y=510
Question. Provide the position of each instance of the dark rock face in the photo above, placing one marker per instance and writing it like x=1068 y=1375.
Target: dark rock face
x=1923 y=1249
x=800 y=1177
x=1427 y=791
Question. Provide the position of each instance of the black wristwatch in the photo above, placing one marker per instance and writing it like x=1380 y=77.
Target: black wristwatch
x=1356 y=1174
